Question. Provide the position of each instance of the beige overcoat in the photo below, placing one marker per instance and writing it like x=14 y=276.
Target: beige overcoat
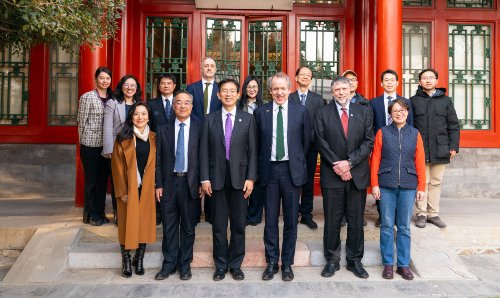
x=136 y=218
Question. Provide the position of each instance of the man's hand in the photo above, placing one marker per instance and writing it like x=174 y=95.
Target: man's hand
x=421 y=195
x=346 y=176
x=340 y=167
x=207 y=188
x=376 y=192
x=124 y=199
x=452 y=153
x=201 y=194
x=159 y=194
x=247 y=188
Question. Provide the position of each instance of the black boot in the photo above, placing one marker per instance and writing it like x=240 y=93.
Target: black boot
x=139 y=259
x=115 y=218
x=126 y=267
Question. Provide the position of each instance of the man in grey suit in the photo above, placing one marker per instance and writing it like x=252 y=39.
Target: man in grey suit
x=228 y=170
x=313 y=102
x=344 y=136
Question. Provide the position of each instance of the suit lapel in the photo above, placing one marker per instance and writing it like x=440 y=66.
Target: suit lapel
x=218 y=124
x=171 y=137
x=268 y=116
x=308 y=99
x=121 y=111
x=337 y=120
x=237 y=124
x=152 y=148
x=353 y=116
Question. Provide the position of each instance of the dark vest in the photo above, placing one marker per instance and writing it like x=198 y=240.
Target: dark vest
x=397 y=165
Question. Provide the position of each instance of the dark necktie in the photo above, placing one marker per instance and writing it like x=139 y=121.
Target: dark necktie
x=168 y=107
x=303 y=99
x=280 y=136
x=227 y=135
x=389 y=118
x=179 y=152
x=345 y=120
x=205 y=98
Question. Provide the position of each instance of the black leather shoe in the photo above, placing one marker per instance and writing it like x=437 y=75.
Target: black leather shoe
x=237 y=274
x=104 y=219
x=286 y=273
x=251 y=223
x=219 y=274
x=185 y=274
x=358 y=269
x=330 y=269
x=309 y=223
x=271 y=270
x=94 y=222
x=164 y=273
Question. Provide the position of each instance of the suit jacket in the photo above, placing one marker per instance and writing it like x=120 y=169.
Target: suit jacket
x=334 y=146
x=378 y=108
x=158 y=113
x=298 y=140
x=114 y=116
x=90 y=115
x=360 y=99
x=196 y=89
x=314 y=102
x=165 y=158
x=243 y=150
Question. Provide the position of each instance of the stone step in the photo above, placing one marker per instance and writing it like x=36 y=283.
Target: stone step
x=307 y=254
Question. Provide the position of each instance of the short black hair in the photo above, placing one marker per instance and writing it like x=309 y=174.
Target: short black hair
x=167 y=76
x=400 y=102
x=389 y=71
x=426 y=70
x=298 y=71
x=229 y=80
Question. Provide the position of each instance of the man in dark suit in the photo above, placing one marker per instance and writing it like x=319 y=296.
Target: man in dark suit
x=178 y=186
x=228 y=170
x=379 y=105
x=284 y=129
x=205 y=101
x=344 y=137
x=162 y=111
x=313 y=102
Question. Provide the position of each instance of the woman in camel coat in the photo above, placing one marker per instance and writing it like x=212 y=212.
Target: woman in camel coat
x=133 y=164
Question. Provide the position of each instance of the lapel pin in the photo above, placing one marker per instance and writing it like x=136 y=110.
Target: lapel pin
x=239 y=119
x=267 y=111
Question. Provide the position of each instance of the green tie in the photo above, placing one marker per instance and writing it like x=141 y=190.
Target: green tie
x=205 y=98
x=280 y=138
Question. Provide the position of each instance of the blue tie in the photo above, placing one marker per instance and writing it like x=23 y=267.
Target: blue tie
x=179 y=152
x=167 y=109
x=303 y=99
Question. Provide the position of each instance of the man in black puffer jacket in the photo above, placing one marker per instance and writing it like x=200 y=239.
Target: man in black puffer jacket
x=436 y=119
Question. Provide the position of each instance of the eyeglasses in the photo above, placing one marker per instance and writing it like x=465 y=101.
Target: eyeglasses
x=252 y=87
x=394 y=112
x=131 y=86
x=182 y=103
x=427 y=78
x=353 y=80
x=228 y=91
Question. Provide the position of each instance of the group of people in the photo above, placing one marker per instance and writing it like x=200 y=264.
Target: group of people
x=240 y=155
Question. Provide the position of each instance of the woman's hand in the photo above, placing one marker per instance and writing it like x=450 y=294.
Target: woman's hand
x=421 y=195
x=159 y=194
x=124 y=199
x=376 y=192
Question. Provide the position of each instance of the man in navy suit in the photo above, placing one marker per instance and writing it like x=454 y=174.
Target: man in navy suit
x=228 y=170
x=344 y=137
x=313 y=102
x=379 y=105
x=205 y=101
x=162 y=111
x=178 y=186
x=284 y=129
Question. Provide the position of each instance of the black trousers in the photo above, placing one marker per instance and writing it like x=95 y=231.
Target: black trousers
x=178 y=221
x=97 y=172
x=228 y=202
x=280 y=190
x=337 y=202
x=306 y=199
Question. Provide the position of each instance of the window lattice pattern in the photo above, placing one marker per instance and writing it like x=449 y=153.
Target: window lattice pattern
x=14 y=94
x=265 y=51
x=417 y=2
x=416 y=42
x=470 y=3
x=63 y=89
x=320 y=51
x=166 y=51
x=469 y=80
x=223 y=44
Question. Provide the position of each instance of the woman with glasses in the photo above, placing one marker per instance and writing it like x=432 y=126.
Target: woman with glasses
x=127 y=92
x=251 y=98
x=397 y=178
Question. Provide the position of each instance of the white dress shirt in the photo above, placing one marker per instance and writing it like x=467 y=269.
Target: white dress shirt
x=386 y=104
x=210 y=89
x=300 y=98
x=224 y=116
x=164 y=101
x=284 y=112
x=339 y=109
x=186 y=139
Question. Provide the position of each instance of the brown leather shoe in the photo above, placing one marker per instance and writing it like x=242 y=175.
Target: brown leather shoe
x=405 y=273
x=388 y=272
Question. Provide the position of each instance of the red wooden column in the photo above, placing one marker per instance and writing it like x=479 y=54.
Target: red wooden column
x=389 y=34
x=90 y=60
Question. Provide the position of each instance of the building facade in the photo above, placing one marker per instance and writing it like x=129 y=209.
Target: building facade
x=39 y=89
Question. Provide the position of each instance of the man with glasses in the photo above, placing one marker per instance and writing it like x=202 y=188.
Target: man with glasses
x=380 y=104
x=436 y=119
x=313 y=102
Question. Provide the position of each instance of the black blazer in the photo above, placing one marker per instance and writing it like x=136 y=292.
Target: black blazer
x=165 y=158
x=158 y=113
x=314 y=102
x=298 y=140
x=378 y=108
x=196 y=89
x=243 y=157
x=333 y=145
